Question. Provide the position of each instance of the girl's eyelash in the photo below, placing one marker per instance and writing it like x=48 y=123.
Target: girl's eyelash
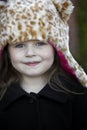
x=19 y=45
x=37 y=44
x=41 y=43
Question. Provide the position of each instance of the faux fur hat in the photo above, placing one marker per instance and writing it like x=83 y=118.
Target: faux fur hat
x=23 y=20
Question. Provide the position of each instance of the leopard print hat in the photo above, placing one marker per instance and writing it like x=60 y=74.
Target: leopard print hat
x=23 y=20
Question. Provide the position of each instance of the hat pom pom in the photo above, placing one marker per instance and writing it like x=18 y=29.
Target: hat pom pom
x=64 y=7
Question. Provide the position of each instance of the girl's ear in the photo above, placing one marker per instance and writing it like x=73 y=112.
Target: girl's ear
x=64 y=8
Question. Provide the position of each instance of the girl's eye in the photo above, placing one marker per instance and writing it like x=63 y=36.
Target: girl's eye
x=40 y=43
x=19 y=46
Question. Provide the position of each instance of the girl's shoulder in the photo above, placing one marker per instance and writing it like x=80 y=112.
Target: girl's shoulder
x=72 y=85
x=6 y=93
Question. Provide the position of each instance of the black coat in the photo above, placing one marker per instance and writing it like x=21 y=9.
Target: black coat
x=47 y=110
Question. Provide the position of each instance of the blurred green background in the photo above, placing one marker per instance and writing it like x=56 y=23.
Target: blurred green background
x=78 y=32
x=82 y=24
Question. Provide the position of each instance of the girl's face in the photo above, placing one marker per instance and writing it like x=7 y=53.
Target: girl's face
x=33 y=58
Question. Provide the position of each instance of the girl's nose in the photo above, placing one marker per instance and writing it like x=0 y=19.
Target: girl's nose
x=30 y=51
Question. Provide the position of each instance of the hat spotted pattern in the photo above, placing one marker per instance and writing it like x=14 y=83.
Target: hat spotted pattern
x=46 y=20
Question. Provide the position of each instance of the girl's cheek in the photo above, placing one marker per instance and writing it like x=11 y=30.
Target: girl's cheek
x=14 y=57
x=16 y=54
x=48 y=52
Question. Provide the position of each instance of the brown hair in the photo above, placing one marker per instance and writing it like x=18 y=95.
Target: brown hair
x=8 y=73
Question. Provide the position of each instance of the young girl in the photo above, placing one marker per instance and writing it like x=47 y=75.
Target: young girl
x=42 y=87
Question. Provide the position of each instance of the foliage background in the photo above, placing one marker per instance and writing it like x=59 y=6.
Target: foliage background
x=82 y=32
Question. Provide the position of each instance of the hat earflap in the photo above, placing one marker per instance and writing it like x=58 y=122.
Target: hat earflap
x=64 y=8
x=69 y=64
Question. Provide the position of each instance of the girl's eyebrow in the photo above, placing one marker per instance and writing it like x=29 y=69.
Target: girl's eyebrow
x=16 y=44
x=19 y=43
x=30 y=41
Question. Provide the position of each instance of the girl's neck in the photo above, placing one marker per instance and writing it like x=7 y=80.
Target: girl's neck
x=34 y=84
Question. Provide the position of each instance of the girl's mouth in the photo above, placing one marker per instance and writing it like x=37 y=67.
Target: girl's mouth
x=32 y=63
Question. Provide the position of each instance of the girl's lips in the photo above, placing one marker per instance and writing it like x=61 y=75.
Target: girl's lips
x=32 y=63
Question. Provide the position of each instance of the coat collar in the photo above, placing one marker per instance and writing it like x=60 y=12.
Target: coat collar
x=14 y=92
